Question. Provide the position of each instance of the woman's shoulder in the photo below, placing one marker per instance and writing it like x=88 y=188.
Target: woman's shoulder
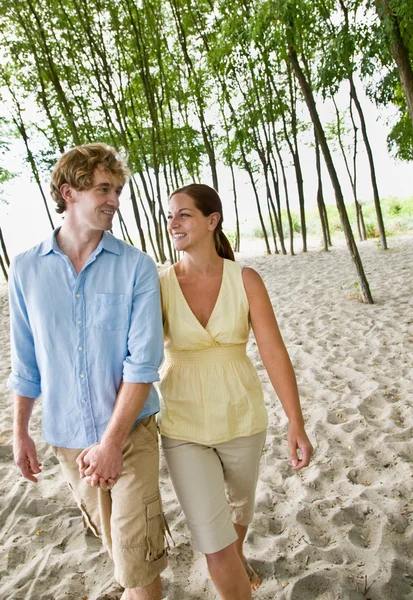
x=231 y=266
x=250 y=275
x=253 y=284
x=166 y=283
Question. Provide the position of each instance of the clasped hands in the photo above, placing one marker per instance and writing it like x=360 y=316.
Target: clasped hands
x=101 y=465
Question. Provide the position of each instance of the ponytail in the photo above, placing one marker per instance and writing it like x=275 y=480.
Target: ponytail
x=222 y=244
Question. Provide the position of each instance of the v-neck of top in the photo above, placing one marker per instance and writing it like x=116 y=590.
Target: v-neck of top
x=205 y=328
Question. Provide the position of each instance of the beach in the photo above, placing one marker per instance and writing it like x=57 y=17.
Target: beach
x=342 y=529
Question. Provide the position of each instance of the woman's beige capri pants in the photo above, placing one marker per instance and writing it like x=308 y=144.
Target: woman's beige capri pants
x=215 y=486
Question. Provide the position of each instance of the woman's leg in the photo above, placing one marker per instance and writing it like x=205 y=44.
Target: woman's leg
x=240 y=458
x=254 y=578
x=228 y=574
x=197 y=475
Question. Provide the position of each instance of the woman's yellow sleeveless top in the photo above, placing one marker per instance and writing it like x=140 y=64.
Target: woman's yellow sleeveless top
x=210 y=389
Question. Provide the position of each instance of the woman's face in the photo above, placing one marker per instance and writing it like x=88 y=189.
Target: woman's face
x=187 y=226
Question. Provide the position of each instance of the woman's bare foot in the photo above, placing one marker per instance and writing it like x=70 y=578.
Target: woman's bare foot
x=252 y=576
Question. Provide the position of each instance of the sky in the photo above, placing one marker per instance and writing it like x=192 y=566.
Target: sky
x=24 y=221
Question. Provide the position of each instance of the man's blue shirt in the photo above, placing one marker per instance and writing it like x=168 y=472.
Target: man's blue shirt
x=74 y=337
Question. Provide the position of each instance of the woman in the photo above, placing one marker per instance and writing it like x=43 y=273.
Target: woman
x=214 y=419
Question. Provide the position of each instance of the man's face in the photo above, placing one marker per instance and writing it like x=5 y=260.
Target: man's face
x=97 y=206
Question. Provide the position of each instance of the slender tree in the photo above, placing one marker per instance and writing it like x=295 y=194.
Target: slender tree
x=397 y=19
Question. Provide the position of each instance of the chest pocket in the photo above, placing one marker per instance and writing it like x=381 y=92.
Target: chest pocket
x=111 y=312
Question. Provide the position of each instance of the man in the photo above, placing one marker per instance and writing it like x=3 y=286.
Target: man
x=86 y=333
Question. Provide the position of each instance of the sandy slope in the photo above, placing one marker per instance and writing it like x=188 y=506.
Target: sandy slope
x=341 y=530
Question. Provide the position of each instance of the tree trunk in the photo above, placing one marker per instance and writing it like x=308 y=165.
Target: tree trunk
x=287 y=197
x=257 y=200
x=149 y=195
x=124 y=229
x=35 y=172
x=320 y=198
x=245 y=162
x=3 y=268
x=137 y=216
x=296 y=158
x=18 y=121
x=360 y=218
x=376 y=197
x=353 y=178
x=399 y=51
x=276 y=211
x=271 y=209
x=351 y=244
x=54 y=77
x=237 y=243
x=4 y=249
x=299 y=182
x=198 y=93
x=270 y=216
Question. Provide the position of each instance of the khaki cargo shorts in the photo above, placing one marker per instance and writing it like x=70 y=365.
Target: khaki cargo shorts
x=129 y=517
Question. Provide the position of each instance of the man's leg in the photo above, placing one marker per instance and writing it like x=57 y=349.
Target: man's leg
x=153 y=591
x=131 y=513
x=137 y=522
x=94 y=503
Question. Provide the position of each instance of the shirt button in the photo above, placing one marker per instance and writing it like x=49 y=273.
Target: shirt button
x=80 y=348
x=77 y=295
x=83 y=400
x=82 y=375
x=79 y=322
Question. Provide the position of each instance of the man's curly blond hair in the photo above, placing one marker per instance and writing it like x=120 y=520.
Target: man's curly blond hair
x=77 y=166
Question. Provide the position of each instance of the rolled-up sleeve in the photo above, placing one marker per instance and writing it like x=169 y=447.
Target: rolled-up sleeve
x=25 y=376
x=145 y=338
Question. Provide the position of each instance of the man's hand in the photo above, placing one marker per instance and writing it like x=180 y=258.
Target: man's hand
x=298 y=440
x=81 y=463
x=101 y=464
x=25 y=457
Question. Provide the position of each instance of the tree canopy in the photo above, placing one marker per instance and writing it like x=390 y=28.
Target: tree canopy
x=178 y=85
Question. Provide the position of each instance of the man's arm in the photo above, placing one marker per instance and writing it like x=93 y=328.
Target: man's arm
x=140 y=369
x=24 y=379
x=24 y=449
x=103 y=462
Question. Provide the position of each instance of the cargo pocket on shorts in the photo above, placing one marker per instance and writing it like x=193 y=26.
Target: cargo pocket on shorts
x=155 y=529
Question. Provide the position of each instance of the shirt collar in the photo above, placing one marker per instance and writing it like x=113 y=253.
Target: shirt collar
x=50 y=244
x=108 y=243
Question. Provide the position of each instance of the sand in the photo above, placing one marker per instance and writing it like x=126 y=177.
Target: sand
x=340 y=530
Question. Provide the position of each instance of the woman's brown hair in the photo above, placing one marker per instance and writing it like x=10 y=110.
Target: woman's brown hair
x=207 y=200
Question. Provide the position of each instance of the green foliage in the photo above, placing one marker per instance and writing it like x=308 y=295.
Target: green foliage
x=371 y=229
x=397 y=215
x=395 y=207
x=396 y=27
x=176 y=84
x=5 y=133
x=295 y=218
x=400 y=139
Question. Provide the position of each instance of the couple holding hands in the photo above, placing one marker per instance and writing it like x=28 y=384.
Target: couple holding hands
x=91 y=321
